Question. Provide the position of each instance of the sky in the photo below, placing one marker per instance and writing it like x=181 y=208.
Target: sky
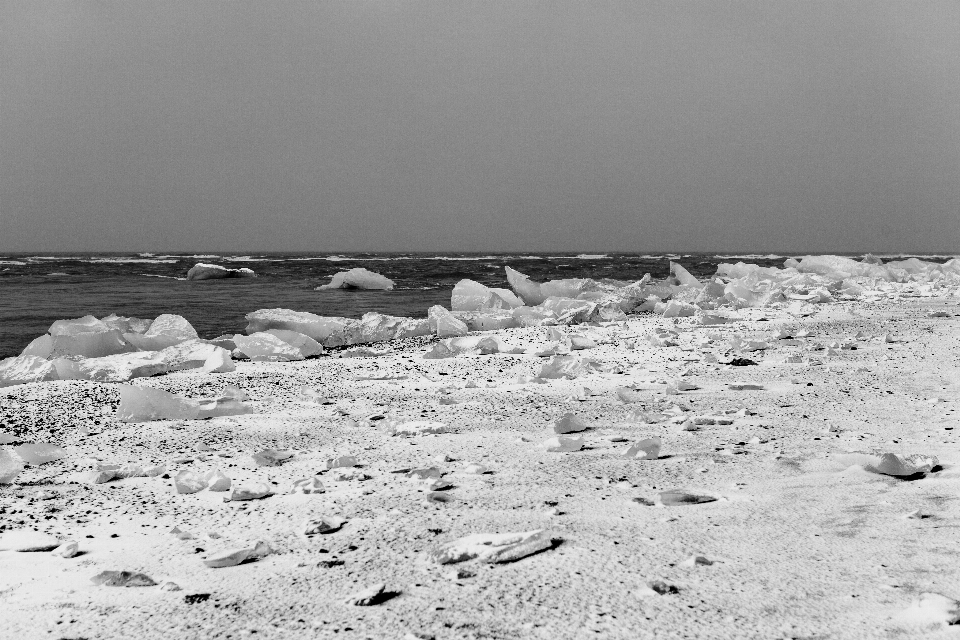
x=480 y=126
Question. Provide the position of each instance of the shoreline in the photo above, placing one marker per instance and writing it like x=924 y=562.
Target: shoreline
x=805 y=541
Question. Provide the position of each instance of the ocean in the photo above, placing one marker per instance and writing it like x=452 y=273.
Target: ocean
x=38 y=289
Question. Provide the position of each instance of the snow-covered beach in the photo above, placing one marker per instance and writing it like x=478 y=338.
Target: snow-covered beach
x=768 y=510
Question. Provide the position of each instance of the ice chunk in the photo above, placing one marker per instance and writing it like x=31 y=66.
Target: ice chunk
x=27 y=541
x=892 y=464
x=444 y=324
x=675 y=309
x=10 y=466
x=225 y=406
x=683 y=277
x=569 y=310
x=143 y=404
x=204 y=271
x=527 y=290
x=41 y=347
x=216 y=480
x=197 y=354
x=308 y=485
x=647 y=449
x=39 y=453
x=254 y=491
x=377 y=327
x=493 y=547
x=116 y=368
x=569 y=423
x=533 y=316
x=451 y=347
x=67 y=549
x=266 y=347
x=189 y=482
x=416 y=428
x=308 y=346
x=165 y=331
x=931 y=609
x=24 y=369
x=367 y=597
x=122 y=579
x=488 y=319
x=568 y=366
x=328 y=331
x=323 y=524
x=563 y=444
x=233 y=557
x=77 y=326
x=358 y=278
x=678 y=497
x=469 y=295
x=85 y=337
x=126 y=325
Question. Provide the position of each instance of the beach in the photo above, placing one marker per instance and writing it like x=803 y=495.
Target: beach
x=786 y=530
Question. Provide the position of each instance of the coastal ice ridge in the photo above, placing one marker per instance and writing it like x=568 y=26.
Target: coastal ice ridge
x=117 y=349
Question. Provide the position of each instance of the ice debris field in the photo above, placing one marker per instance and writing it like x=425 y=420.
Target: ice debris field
x=527 y=427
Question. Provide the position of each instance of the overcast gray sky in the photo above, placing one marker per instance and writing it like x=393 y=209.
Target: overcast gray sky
x=480 y=125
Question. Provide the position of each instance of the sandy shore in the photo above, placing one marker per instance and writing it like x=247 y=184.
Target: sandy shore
x=805 y=542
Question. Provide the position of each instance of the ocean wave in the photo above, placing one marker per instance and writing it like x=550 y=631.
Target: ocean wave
x=251 y=259
x=751 y=256
x=58 y=273
x=55 y=258
x=591 y=256
x=154 y=275
x=14 y=262
x=130 y=261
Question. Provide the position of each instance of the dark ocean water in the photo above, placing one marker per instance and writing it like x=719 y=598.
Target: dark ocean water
x=37 y=289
